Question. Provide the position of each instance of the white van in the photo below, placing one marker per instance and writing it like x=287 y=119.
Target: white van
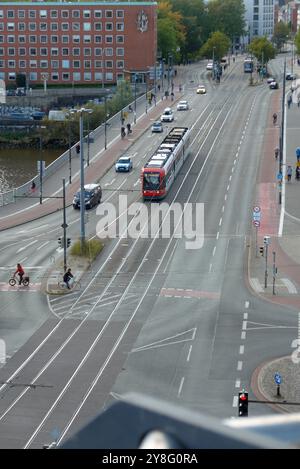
x=55 y=115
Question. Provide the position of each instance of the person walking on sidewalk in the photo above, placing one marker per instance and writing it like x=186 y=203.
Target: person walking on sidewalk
x=67 y=277
x=290 y=99
x=289 y=173
x=297 y=175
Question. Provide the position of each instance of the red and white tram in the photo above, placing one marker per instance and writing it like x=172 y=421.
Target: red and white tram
x=160 y=171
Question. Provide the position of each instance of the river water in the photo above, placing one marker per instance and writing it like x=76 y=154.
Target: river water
x=18 y=166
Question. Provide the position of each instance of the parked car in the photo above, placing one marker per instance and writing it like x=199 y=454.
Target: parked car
x=167 y=115
x=92 y=196
x=201 y=89
x=10 y=92
x=20 y=91
x=38 y=115
x=157 y=127
x=273 y=85
x=209 y=66
x=182 y=106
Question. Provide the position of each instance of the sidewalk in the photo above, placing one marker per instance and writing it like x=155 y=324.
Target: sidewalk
x=285 y=246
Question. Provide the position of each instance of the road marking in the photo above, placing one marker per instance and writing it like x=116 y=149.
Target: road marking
x=218 y=234
x=189 y=353
x=237 y=383
x=33 y=229
x=243 y=335
x=210 y=267
x=242 y=349
x=235 y=401
x=290 y=286
x=27 y=245
x=220 y=222
x=110 y=183
x=223 y=208
x=137 y=182
x=247 y=304
x=244 y=326
x=255 y=284
x=225 y=197
x=214 y=250
x=228 y=187
x=245 y=315
x=180 y=386
x=42 y=245
x=239 y=365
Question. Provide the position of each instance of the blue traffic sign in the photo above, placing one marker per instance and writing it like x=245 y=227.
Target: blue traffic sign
x=277 y=378
x=279 y=176
x=298 y=152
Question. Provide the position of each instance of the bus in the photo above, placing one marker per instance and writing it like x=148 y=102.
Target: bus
x=248 y=65
x=160 y=171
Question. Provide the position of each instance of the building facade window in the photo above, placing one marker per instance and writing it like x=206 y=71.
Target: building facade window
x=108 y=14
x=120 y=63
x=22 y=39
x=22 y=64
x=98 y=26
x=120 y=39
x=32 y=39
x=10 y=26
x=108 y=39
x=98 y=39
x=76 y=76
x=108 y=26
x=76 y=51
x=98 y=14
x=54 y=64
x=21 y=27
x=87 y=64
x=87 y=76
x=11 y=64
x=120 y=51
x=53 y=14
x=120 y=13
x=55 y=76
x=65 y=63
x=22 y=51
x=66 y=76
x=43 y=39
x=86 y=13
x=76 y=64
x=54 y=26
x=120 y=26
x=109 y=52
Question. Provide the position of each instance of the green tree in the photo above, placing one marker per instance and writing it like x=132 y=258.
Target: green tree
x=297 y=42
x=194 y=19
x=262 y=49
x=227 y=16
x=170 y=30
x=216 y=46
x=280 y=35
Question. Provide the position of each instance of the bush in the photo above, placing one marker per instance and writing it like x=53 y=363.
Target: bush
x=91 y=249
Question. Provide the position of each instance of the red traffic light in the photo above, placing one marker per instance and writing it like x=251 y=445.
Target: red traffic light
x=243 y=397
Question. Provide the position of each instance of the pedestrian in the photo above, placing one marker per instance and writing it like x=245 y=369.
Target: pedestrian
x=276 y=152
x=172 y=96
x=289 y=173
x=32 y=186
x=297 y=174
x=298 y=154
x=158 y=87
x=77 y=148
x=298 y=103
x=290 y=99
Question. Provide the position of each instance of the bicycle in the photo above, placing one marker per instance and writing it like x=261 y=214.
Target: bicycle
x=25 y=281
x=75 y=285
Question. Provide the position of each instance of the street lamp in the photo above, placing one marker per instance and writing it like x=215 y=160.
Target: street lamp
x=105 y=121
x=214 y=62
x=81 y=112
x=70 y=144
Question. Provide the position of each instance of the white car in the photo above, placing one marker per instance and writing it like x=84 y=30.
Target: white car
x=167 y=115
x=182 y=106
x=209 y=66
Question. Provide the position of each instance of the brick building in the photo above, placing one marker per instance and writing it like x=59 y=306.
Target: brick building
x=72 y=43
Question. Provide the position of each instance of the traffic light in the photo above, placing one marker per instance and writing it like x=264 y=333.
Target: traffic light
x=261 y=250
x=60 y=242
x=68 y=242
x=243 y=404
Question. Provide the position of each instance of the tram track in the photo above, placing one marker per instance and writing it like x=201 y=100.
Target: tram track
x=110 y=330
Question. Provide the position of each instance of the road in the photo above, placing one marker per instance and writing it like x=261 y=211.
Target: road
x=150 y=316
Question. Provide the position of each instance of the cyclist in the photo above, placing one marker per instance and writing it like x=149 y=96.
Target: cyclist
x=123 y=131
x=67 y=277
x=130 y=108
x=274 y=118
x=20 y=272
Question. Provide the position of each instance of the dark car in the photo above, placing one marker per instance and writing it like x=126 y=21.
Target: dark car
x=92 y=196
x=38 y=115
x=290 y=76
x=273 y=85
x=10 y=92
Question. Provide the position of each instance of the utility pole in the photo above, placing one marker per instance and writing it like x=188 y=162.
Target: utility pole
x=64 y=225
x=105 y=122
x=282 y=128
x=70 y=152
x=274 y=271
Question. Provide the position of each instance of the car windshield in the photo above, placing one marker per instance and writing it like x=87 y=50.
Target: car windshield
x=168 y=113
x=124 y=160
x=151 y=181
x=87 y=194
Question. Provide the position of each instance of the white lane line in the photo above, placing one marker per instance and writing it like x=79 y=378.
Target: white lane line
x=230 y=177
x=220 y=222
x=42 y=245
x=244 y=326
x=33 y=229
x=242 y=349
x=223 y=208
x=228 y=187
x=235 y=401
x=290 y=286
x=137 y=182
x=255 y=284
x=23 y=260
x=189 y=353
x=247 y=304
x=243 y=335
x=25 y=247
x=210 y=267
x=180 y=386
x=239 y=365
x=225 y=198
x=214 y=251
x=218 y=234
x=237 y=383
x=245 y=315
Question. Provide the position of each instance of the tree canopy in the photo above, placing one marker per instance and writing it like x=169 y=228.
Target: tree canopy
x=216 y=46
x=281 y=32
x=262 y=49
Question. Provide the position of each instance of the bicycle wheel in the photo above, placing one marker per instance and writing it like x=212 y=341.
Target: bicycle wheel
x=12 y=282
x=25 y=282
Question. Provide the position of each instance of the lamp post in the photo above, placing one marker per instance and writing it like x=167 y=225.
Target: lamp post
x=81 y=112
x=134 y=117
x=282 y=130
x=70 y=151
x=214 y=62
x=105 y=122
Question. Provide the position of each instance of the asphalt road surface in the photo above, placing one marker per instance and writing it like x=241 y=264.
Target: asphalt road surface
x=151 y=316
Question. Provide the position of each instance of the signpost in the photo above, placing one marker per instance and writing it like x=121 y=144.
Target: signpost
x=256 y=218
x=41 y=171
x=278 y=381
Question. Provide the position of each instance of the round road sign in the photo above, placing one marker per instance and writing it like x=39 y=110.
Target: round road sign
x=256 y=209
x=256 y=223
